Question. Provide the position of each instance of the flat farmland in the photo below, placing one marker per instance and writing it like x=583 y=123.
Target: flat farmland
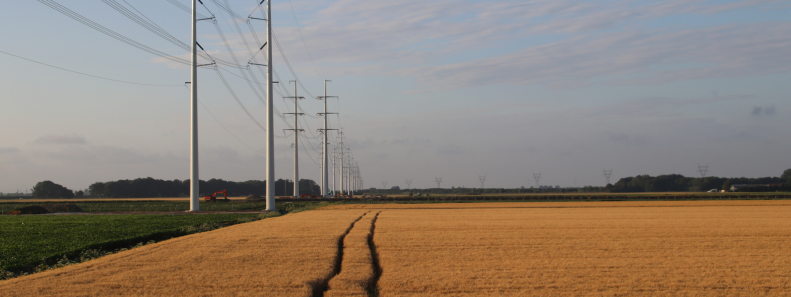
x=289 y=255
x=712 y=248
x=669 y=248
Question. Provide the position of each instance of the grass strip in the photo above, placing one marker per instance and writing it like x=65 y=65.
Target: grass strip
x=30 y=244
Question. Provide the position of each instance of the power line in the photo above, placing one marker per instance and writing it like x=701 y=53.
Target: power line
x=85 y=74
x=185 y=8
x=93 y=25
x=303 y=39
x=226 y=129
x=285 y=59
x=233 y=94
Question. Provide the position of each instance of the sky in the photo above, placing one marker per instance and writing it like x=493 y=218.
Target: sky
x=427 y=89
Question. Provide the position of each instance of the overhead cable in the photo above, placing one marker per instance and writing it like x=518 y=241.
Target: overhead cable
x=93 y=25
x=303 y=39
x=90 y=75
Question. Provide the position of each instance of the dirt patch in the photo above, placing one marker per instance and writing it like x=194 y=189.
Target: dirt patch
x=34 y=209
x=64 y=207
x=254 y=197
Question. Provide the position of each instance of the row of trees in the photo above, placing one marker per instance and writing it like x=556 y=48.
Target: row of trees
x=150 y=187
x=680 y=183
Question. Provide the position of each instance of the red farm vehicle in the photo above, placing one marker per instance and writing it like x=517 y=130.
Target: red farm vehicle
x=213 y=197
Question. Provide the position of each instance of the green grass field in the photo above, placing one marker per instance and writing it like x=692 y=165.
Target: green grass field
x=31 y=239
x=144 y=205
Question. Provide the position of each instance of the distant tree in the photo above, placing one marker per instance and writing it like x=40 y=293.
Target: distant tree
x=727 y=185
x=396 y=188
x=79 y=194
x=48 y=189
x=97 y=189
x=786 y=175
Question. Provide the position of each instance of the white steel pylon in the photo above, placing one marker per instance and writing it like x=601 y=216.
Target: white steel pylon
x=270 y=123
x=324 y=160
x=296 y=136
x=194 y=178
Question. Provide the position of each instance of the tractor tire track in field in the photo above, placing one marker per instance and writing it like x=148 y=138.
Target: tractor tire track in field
x=322 y=285
x=373 y=288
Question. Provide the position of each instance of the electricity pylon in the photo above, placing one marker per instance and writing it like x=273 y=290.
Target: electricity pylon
x=384 y=185
x=537 y=177
x=408 y=183
x=438 y=180
x=296 y=135
x=349 y=162
x=270 y=121
x=324 y=172
x=334 y=169
x=607 y=174
x=341 y=164
x=482 y=178
x=194 y=179
x=703 y=169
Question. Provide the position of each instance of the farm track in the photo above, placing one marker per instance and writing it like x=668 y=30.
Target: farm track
x=668 y=248
x=359 y=269
x=282 y=256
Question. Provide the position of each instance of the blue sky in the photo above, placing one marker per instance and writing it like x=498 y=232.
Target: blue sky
x=451 y=89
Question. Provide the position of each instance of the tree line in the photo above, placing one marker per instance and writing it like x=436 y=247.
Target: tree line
x=680 y=183
x=150 y=187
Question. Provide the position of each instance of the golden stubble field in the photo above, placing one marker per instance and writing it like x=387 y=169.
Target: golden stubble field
x=282 y=256
x=674 y=248
x=603 y=248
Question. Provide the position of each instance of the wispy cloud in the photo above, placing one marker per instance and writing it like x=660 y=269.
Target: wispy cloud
x=764 y=110
x=8 y=150
x=595 y=42
x=60 y=139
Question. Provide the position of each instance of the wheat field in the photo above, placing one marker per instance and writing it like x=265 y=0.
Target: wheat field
x=665 y=248
x=282 y=256
x=696 y=250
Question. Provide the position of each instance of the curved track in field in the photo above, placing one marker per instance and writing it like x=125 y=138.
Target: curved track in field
x=469 y=249
x=283 y=256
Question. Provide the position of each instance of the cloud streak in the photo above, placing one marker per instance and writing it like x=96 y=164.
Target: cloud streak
x=53 y=139
x=595 y=42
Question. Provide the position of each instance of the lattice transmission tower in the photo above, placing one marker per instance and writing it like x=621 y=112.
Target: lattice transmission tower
x=703 y=169
x=607 y=174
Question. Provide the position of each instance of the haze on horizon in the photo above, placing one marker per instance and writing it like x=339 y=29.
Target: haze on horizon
x=449 y=89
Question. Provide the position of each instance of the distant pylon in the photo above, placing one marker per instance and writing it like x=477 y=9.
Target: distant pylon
x=296 y=135
x=607 y=174
x=703 y=169
x=324 y=148
x=537 y=177
x=482 y=178
x=384 y=185
x=408 y=183
x=438 y=180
